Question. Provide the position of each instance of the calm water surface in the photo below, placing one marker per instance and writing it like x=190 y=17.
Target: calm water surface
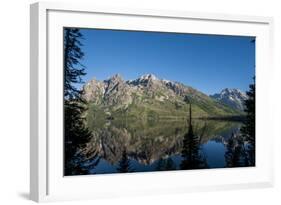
x=157 y=146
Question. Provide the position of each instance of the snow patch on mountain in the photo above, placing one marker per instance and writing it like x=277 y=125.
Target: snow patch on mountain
x=148 y=76
x=232 y=97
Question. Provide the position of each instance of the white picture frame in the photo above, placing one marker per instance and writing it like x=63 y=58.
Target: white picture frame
x=47 y=182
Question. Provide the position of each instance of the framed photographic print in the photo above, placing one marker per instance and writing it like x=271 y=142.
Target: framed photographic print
x=128 y=101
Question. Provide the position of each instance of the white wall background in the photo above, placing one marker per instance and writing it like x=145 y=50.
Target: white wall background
x=14 y=101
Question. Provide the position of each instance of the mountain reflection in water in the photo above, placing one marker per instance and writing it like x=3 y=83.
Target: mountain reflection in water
x=157 y=146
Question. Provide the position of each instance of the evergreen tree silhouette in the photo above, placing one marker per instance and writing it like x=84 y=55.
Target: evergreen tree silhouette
x=234 y=152
x=124 y=165
x=170 y=165
x=76 y=134
x=248 y=129
x=191 y=148
x=165 y=165
x=160 y=166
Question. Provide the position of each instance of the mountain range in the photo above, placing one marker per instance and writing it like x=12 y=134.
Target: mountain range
x=149 y=98
x=232 y=97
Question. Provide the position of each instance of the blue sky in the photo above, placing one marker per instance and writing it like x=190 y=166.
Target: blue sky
x=208 y=63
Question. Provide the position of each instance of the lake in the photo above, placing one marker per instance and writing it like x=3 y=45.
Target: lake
x=136 y=146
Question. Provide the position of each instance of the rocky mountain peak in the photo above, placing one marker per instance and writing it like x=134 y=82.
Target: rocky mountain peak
x=232 y=97
x=117 y=94
x=149 y=97
x=147 y=80
x=148 y=77
x=115 y=79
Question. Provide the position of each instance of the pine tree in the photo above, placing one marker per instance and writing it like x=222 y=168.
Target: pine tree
x=234 y=152
x=170 y=165
x=76 y=133
x=165 y=165
x=124 y=163
x=73 y=69
x=160 y=166
x=248 y=129
x=191 y=148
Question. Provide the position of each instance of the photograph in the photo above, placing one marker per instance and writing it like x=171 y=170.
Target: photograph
x=146 y=101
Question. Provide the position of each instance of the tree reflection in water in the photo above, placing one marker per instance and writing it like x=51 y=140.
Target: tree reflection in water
x=138 y=146
x=191 y=152
x=165 y=164
x=124 y=165
x=236 y=154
